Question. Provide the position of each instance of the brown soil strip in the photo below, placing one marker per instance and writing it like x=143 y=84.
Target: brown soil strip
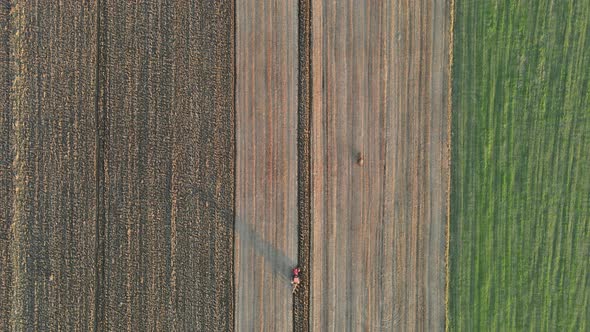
x=167 y=101
x=53 y=57
x=301 y=299
x=117 y=165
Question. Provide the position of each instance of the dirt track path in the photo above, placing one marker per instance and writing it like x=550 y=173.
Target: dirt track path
x=380 y=74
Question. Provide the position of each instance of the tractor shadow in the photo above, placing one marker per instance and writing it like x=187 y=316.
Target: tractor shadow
x=279 y=263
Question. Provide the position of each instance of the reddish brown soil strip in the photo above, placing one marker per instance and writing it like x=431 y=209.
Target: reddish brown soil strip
x=266 y=163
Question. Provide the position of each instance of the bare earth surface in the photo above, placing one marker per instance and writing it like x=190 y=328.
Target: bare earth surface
x=51 y=204
x=266 y=164
x=116 y=165
x=167 y=103
x=379 y=165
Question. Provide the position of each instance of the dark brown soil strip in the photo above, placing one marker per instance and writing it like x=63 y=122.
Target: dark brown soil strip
x=169 y=165
x=99 y=173
x=117 y=160
x=301 y=299
x=52 y=96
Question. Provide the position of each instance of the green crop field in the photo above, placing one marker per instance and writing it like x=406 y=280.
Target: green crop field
x=520 y=200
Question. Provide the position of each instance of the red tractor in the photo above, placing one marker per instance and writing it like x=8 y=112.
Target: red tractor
x=295 y=280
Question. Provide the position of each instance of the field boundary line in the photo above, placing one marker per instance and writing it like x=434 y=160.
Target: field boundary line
x=449 y=161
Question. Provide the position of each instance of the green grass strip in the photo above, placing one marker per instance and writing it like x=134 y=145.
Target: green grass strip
x=520 y=181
